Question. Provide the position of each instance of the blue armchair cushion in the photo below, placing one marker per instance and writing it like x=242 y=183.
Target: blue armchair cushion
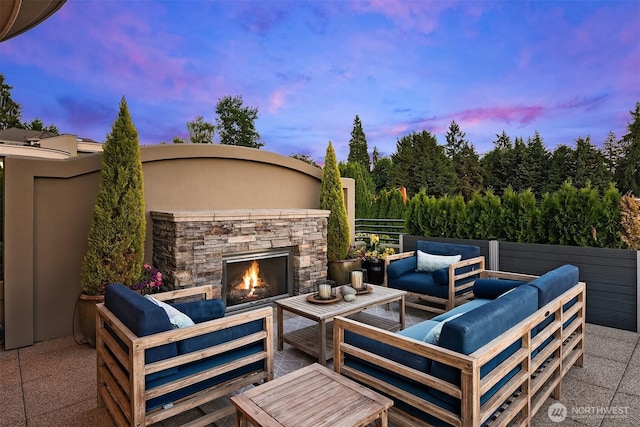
x=428 y=263
x=465 y=251
x=143 y=318
x=493 y=288
x=441 y=276
x=217 y=337
x=401 y=266
x=202 y=311
x=555 y=282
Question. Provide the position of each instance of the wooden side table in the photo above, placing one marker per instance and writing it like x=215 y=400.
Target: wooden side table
x=313 y=396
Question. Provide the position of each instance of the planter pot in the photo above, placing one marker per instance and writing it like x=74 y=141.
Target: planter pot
x=375 y=272
x=87 y=316
x=340 y=271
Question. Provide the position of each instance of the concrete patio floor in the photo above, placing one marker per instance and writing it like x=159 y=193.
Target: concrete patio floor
x=53 y=383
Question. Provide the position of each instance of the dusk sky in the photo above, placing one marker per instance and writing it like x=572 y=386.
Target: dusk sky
x=567 y=69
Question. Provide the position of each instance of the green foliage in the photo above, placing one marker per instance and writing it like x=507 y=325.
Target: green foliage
x=332 y=199
x=364 y=187
x=520 y=216
x=569 y=216
x=200 y=132
x=465 y=161
x=382 y=173
x=396 y=205
x=10 y=111
x=628 y=168
x=483 y=213
x=419 y=162
x=305 y=158
x=591 y=166
x=358 y=150
x=116 y=236
x=236 y=124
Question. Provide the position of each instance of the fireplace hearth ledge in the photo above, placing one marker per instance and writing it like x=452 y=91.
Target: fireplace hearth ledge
x=237 y=214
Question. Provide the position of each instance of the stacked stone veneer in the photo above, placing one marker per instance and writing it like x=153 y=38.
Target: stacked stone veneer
x=188 y=246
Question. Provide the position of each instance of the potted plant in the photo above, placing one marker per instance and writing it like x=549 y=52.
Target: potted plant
x=115 y=250
x=372 y=254
x=340 y=264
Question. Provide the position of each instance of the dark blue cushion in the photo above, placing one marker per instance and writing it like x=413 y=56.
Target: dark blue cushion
x=403 y=357
x=474 y=329
x=201 y=366
x=436 y=248
x=224 y=335
x=141 y=316
x=555 y=282
x=420 y=283
x=441 y=276
x=493 y=288
x=401 y=266
x=202 y=311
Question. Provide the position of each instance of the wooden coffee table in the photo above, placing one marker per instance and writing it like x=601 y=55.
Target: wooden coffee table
x=315 y=340
x=313 y=396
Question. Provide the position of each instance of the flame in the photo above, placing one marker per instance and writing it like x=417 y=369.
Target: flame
x=250 y=279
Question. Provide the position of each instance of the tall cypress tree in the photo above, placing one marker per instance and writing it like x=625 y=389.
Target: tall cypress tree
x=332 y=199
x=358 y=150
x=117 y=232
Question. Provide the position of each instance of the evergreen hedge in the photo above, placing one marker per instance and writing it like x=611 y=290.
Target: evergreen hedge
x=570 y=216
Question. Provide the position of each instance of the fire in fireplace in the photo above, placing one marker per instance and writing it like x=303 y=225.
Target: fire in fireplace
x=256 y=278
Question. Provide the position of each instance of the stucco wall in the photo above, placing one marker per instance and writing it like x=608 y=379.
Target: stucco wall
x=49 y=203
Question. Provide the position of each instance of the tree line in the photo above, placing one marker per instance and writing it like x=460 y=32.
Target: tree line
x=420 y=164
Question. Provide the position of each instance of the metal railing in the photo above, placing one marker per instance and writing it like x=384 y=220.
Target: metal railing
x=389 y=230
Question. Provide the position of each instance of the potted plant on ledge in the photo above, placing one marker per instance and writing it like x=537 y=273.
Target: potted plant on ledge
x=115 y=251
x=372 y=255
x=340 y=264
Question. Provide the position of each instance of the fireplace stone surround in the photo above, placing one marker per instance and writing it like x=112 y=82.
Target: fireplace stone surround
x=188 y=246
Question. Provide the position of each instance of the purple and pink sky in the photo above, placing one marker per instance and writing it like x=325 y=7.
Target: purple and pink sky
x=567 y=69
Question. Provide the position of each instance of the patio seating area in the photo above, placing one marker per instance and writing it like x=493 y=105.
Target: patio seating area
x=53 y=383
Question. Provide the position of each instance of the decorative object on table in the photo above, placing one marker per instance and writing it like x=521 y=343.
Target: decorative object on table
x=372 y=255
x=116 y=237
x=325 y=292
x=357 y=280
x=338 y=234
x=366 y=289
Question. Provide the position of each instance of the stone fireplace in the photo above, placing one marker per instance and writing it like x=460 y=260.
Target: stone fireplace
x=193 y=248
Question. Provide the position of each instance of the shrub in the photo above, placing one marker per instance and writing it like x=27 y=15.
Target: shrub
x=332 y=199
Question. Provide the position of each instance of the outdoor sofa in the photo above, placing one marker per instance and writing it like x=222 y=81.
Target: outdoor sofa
x=149 y=371
x=495 y=363
x=438 y=288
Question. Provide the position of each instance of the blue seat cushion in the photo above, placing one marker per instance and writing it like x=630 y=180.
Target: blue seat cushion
x=493 y=288
x=419 y=330
x=554 y=283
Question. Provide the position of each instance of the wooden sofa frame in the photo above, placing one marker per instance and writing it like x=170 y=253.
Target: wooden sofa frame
x=456 y=294
x=121 y=373
x=516 y=402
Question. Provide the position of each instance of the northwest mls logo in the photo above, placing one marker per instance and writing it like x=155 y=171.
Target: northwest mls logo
x=557 y=412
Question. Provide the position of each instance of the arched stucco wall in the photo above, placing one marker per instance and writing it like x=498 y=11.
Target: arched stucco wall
x=49 y=203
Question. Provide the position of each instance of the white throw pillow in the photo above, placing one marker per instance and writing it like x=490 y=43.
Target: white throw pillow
x=177 y=318
x=433 y=336
x=428 y=263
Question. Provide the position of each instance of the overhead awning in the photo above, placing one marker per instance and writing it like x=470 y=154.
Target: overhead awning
x=18 y=16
